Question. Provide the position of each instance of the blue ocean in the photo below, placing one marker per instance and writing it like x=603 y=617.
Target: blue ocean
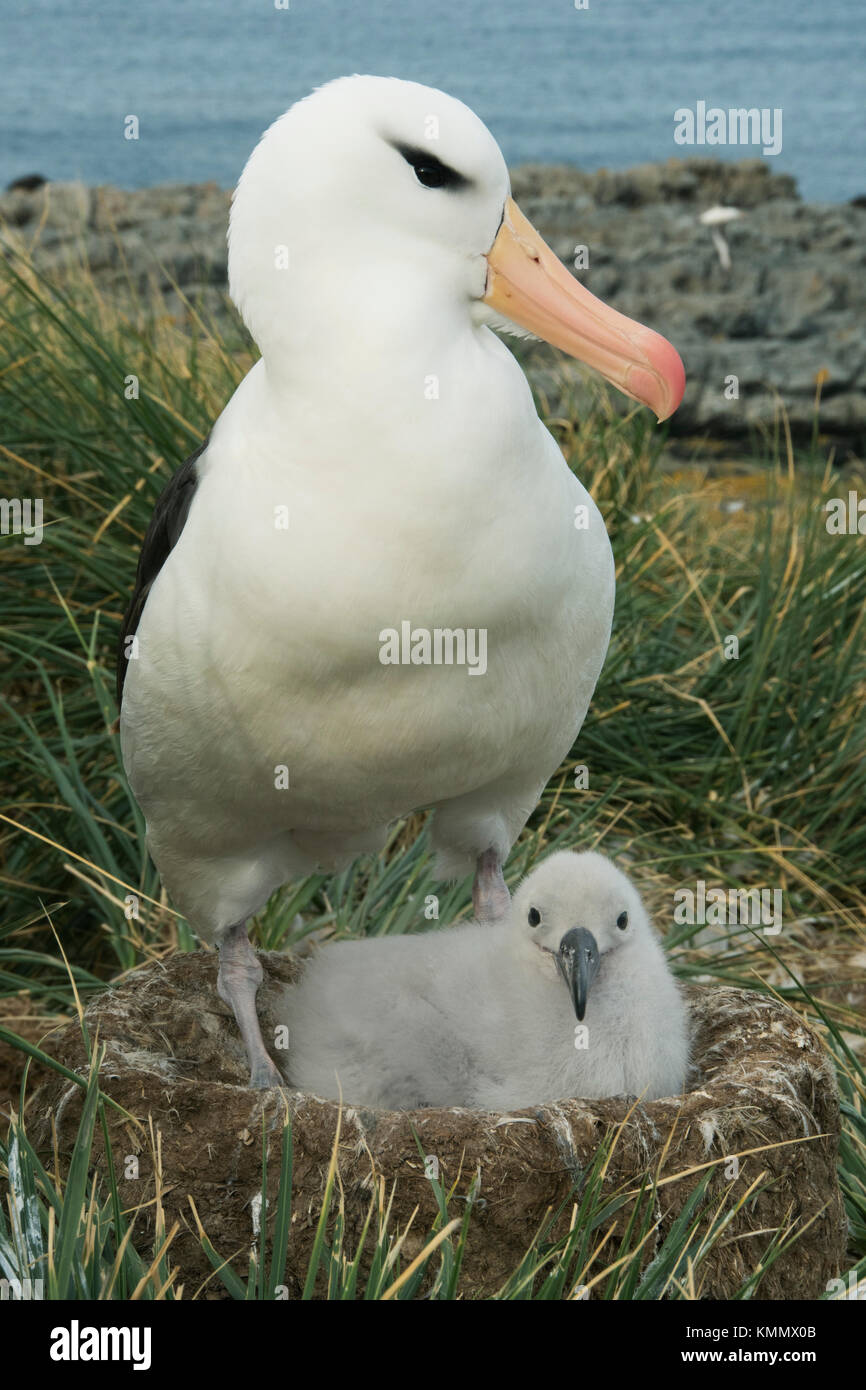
x=595 y=85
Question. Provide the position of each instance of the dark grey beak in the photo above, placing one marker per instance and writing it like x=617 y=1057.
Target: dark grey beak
x=578 y=962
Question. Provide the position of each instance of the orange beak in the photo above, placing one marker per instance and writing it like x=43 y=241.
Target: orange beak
x=529 y=285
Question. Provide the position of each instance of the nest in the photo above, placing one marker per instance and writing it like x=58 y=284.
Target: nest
x=760 y=1079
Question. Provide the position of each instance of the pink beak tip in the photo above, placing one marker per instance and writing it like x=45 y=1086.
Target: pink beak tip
x=669 y=366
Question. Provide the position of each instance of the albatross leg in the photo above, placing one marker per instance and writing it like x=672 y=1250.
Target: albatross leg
x=240 y=975
x=490 y=897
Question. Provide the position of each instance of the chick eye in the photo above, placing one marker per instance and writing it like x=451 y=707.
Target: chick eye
x=622 y=921
x=534 y=916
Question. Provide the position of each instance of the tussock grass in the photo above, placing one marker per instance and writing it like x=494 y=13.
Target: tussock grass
x=746 y=772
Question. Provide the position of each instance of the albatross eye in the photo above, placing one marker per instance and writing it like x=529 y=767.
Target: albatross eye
x=534 y=916
x=622 y=921
x=430 y=171
x=431 y=175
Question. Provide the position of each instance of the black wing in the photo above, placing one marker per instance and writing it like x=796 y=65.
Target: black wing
x=166 y=524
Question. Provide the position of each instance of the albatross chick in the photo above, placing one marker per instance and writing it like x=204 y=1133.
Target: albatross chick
x=567 y=995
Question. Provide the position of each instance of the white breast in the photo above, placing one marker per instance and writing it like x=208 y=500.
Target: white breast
x=260 y=646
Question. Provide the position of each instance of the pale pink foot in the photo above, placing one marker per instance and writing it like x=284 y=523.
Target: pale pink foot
x=240 y=975
x=490 y=897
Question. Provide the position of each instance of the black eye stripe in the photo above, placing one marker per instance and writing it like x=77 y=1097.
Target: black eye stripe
x=430 y=170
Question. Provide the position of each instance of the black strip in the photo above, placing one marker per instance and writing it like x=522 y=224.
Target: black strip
x=430 y=170
x=168 y=520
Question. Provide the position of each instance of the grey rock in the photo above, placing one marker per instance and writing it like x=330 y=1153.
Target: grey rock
x=791 y=310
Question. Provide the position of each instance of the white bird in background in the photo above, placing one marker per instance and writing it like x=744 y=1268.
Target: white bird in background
x=716 y=218
x=381 y=470
x=569 y=994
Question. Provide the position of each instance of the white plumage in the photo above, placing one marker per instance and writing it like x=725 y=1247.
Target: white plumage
x=486 y=1015
x=382 y=463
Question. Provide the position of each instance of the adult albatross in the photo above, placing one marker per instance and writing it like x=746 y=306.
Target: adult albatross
x=381 y=470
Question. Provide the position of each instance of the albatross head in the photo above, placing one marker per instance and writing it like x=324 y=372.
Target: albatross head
x=580 y=912
x=375 y=198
